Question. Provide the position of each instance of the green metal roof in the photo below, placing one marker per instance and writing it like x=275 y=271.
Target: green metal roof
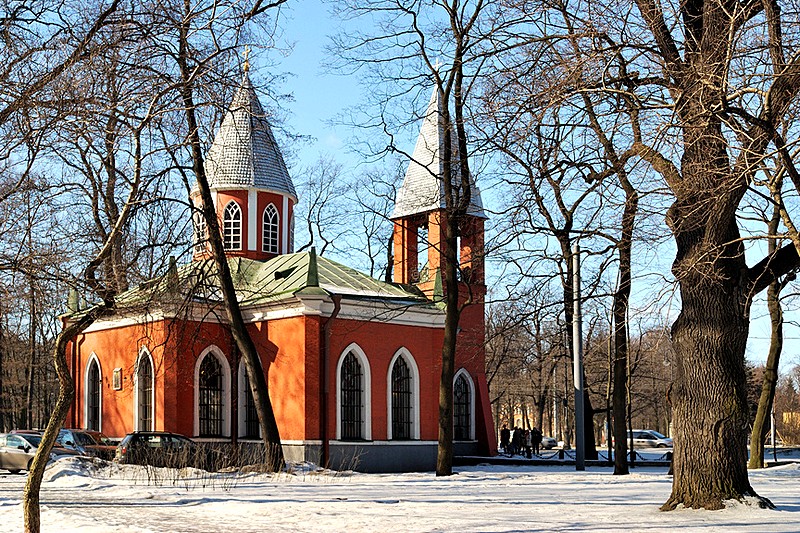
x=262 y=282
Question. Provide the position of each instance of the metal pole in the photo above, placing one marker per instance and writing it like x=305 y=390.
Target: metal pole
x=577 y=360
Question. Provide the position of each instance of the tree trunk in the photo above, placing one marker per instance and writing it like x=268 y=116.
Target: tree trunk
x=764 y=411
x=444 y=456
x=255 y=375
x=66 y=393
x=620 y=312
x=761 y=422
x=709 y=336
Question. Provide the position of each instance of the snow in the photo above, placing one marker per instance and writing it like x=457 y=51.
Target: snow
x=89 y=497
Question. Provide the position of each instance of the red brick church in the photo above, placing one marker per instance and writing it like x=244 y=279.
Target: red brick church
x=353 y=363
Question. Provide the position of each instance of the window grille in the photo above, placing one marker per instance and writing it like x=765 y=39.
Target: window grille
x=291 y=235
x=93 y=397
x=251 y=426
x=200 y=233
x=461 y=409
x=210 y=398
x=351 y=398
x=144 y=384
x=271 y=225
x=401 y=400
x=232 y=226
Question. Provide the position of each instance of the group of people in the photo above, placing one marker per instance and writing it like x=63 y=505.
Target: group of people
x=518 y=441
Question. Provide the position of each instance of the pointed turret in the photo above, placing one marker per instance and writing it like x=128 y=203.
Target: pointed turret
x=419 y=213
x=244 y=152
x=250 y=184
x=423 y=188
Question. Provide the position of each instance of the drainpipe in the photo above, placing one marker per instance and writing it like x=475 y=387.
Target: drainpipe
x=324 y=382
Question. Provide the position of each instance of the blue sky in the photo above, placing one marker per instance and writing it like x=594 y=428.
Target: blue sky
x=319 y=96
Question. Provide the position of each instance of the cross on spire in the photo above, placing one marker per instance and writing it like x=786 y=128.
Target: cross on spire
x=246 y=64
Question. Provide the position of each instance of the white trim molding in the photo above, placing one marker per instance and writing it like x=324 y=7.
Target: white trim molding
x=252 y=219
x=214 y=351
x=96 y=360
x=471 y=384
x=366 y=408
x=412 y=366
x=284 y=220
x=144 y=353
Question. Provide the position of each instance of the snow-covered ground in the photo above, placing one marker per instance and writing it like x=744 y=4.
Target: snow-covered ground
x=78 y=496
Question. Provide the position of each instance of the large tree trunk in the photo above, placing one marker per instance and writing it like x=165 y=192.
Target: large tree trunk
x=710 y=413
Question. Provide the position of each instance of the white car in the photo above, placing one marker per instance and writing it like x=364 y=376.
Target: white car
x=648 y=438
x=548 y=443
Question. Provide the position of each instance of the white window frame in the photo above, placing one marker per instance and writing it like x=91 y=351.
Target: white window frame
x=463 y=372
x=231 y=209
x=214 y=351
x=412 y=365
x=143 y=352
x=366 y=419
x=92 y=358
x=242 y=398
x=270 y=229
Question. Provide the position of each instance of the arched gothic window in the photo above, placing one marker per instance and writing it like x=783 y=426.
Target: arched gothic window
x=271 y=228
x=144 y=393
x=211 y=402
x=462 y=405
x=232 y=226
x=200 y=233
x=351 y=395
x=402 y=407
x=93 y=391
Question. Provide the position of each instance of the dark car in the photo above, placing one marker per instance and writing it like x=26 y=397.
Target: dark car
x=87 y=442
x=18 y=449
x=161 y=448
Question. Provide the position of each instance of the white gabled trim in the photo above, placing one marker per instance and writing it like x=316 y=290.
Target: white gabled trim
x=463 y=372
x=214 y=351
x=144 y=353
x=366 y=424
x=285 y=226
x=92 y=358
x=412 y=365
x=241 y=401
x=252 y=219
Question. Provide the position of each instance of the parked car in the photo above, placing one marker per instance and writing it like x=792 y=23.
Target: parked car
x=18 y=449
x=649 y=438
x=161 y=448
x=87 y=442
x=548 y=443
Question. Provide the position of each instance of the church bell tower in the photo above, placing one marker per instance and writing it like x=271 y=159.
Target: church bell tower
x=252 y=191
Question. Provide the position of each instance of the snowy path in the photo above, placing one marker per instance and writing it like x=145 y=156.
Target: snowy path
x=480 y=498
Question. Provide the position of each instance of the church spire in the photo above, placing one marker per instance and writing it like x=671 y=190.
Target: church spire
x=252 y=191
x=423 y=188
x=244 y=151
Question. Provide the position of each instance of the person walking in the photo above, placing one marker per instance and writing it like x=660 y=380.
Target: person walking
x=505 y=438
x=528 y=442
x=536 y=438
